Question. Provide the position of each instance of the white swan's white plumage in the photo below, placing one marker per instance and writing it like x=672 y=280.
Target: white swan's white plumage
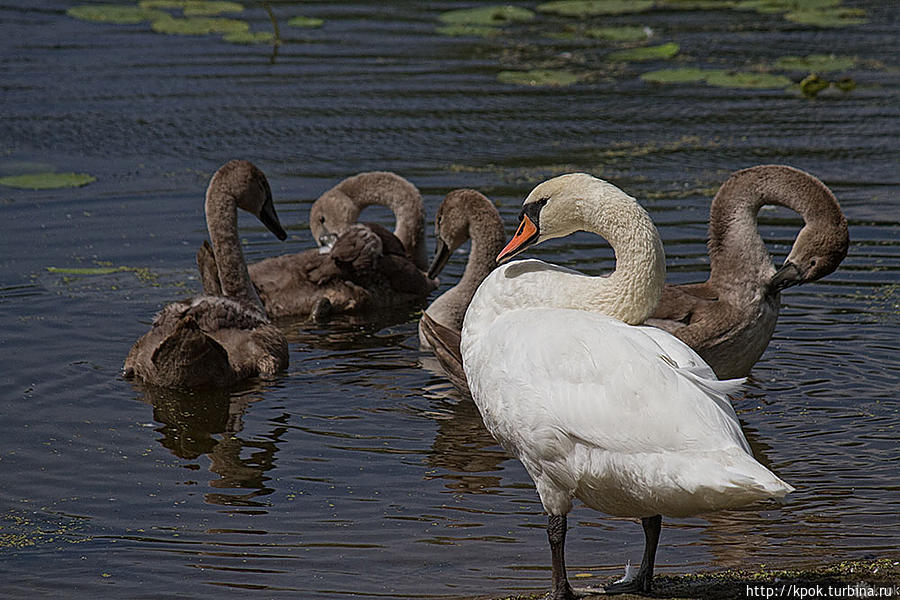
x=626 y=418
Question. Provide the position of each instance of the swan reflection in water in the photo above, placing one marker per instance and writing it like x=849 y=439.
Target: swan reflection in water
x=209 y=423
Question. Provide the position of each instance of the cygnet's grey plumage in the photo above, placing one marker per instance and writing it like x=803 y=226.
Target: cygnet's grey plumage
x=729 y=319
x=217 y=340
x=361 y=267
x=464 y=214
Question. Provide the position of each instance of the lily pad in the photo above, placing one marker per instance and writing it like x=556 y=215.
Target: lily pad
x=198 y=25
x=308 y=22
x=695 y=4
x=249 y=37
x=469 y=30
x=781 y=6
x=738 y=79
x=821 y=63
x=538 y=77
x=47 y=181
x=813 y=84
x=119 y=14
x=845 y=84
x=683 y=75
x=718 y=77
x=587 y=8
x=833 y=17
x=620 y=34
x=662 y=51
x=491 y=16
x=195 y=8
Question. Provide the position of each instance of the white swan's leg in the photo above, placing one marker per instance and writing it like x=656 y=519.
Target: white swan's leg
x=644 y=579
x=556 y=533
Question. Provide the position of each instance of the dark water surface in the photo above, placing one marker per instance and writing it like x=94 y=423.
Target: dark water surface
x=358 y=473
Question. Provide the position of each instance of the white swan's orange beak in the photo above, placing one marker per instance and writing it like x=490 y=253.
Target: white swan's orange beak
x=526 y=234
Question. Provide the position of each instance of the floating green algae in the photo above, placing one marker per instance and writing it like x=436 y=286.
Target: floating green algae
x=681 y=75
x=103 y=268
x=469 y=30
x=662 y=51
x=587 y=8
x=118 y=14
x=834 y=17
x=845 y=84
x=87 y=270
x=538 y=77
x=307 y=22
x=194 y=8
x=198 y=25
x=717 y=77
x=782 y=6
x=632 y=33
x=249 y=37
x=490 y=16
x=695 y=4
x=822 y=63
x=47 y=181
x=738 y=79
x=820 y=13
x=813 y=84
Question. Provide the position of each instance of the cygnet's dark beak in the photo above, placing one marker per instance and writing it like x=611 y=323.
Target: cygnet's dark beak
x=326 y=242
x=441 y=256
x=785 y=277
x=269 y=218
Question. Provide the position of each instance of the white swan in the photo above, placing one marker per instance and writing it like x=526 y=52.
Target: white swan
x=627 y=419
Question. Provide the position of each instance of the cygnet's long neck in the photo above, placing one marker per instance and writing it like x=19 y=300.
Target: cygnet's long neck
x=632 y=291
x=486 y=231
x=738 y=255
x=404 y=200
x=222 y=223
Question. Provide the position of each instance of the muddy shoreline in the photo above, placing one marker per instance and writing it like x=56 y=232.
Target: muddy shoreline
x=875 y=578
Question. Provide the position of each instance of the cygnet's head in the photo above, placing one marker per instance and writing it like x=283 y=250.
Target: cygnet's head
x=451 y=226
x=817 y=251
x=246 y=183
x=330 y=216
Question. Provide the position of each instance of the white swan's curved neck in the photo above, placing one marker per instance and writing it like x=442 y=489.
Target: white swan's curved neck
x=630 y=293
x=221 y=221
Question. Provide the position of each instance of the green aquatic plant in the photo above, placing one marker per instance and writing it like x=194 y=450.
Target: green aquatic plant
x=821 y=63
x=812 y=84
x=832 y=17
x=660 y=52
x=782 y=6
x=307 y=22
x=198 y=25
x=469 y=30
x=538 y=77
x=626 y=33
x=718 y=77
x=249 y=37
x=194 y=8
x=821 y=13
x=119 y=14
x=740 y=79
x=680 y=75
x=490 y=16
x=587 y=8
x=845 y=84
x=47 y=181
x=696 y=4
x=103 y=268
